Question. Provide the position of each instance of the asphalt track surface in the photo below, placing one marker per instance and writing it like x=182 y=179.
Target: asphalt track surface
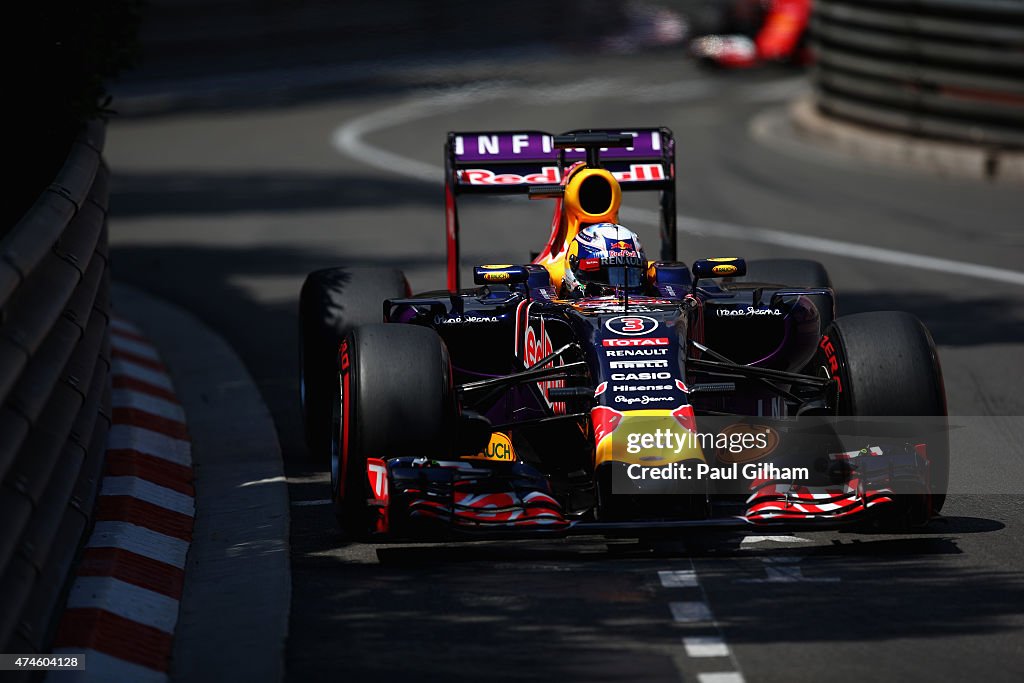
x=224 y=210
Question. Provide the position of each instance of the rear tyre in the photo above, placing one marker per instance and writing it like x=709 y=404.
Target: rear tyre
x=394 y=398
x=332 y=302
x=888 y=366
x=791 y=272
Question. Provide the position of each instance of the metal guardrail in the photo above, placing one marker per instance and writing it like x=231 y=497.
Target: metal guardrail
x=951 y=69
x=54 y=390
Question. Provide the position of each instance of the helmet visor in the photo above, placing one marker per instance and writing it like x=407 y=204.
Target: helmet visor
x=625 y=276
x=628 y=276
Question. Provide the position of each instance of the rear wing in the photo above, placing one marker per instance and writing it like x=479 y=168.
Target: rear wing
x=511 y=162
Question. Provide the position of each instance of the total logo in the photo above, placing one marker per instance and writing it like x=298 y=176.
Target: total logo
x=631 y=325
x=649 y=341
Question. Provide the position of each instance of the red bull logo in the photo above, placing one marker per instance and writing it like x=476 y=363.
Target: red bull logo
x=621 y=245
x=537 y=346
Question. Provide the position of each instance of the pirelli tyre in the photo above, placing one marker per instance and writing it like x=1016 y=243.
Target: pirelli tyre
x=889 y=375
x=332 y=302
x=393 y=397
x=791 y=272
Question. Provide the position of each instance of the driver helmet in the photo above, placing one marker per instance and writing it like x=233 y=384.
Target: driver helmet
x=602 y=259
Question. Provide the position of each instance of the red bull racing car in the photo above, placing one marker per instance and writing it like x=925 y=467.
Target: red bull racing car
x=596 y=390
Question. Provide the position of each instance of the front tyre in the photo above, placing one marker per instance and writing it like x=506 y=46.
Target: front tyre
x=394 y=397
x=887 y=367
x=332 y=302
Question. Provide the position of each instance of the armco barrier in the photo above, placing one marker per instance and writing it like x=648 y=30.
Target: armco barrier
x=950 y=69
x=54 y=390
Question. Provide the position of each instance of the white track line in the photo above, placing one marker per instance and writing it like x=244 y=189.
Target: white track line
x=690 y=612
x=682 y=578
x=705 y=646
x=823 y=245
x=752 y=540
x=720 y=677
x=787 y=570
x=263 y=482
x=348 y=139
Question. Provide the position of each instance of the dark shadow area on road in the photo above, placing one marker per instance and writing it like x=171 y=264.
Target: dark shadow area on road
x=569 y=603
x=203 y=280
x=961 y=319
x=888 y=588
x=203 y=192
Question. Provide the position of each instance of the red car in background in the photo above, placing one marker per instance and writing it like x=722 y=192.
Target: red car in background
x=758 y=32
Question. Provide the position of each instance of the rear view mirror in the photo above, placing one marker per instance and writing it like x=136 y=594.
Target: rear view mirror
x=505 y=274
x=719 y=267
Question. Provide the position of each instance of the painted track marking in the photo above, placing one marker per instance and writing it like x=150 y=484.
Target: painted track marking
x=690 y=612
x=705 y=646
x=720 y=677
x=683 y=578
x=786 y=569
x=348 y=139
x=753 y=540
x=697 y=613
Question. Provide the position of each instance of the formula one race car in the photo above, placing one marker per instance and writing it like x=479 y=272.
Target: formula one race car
x=594 y=390
x=756 y=32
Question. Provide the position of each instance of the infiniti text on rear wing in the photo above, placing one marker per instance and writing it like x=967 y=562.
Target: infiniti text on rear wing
x=511 y=161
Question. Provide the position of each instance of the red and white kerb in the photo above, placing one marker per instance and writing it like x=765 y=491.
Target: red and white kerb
x=123 y=606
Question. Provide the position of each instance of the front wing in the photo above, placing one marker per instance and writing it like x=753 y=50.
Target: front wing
x=422 y=499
